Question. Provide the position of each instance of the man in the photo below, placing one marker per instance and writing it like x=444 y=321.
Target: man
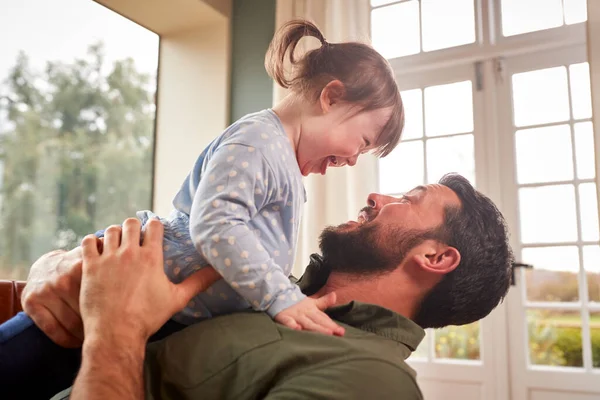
x=437 y=256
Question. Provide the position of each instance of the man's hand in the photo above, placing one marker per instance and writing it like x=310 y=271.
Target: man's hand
x=308 y=315
x=51 y=296
x=125 y=297
x=124 y=290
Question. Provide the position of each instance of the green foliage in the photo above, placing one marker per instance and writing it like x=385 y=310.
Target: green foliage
x=555 y=340
x=458 y=342
x=76 y=150
x=569 y=343
x=543 y=336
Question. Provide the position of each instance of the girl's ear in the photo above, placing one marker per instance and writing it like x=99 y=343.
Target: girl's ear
x=332 y=94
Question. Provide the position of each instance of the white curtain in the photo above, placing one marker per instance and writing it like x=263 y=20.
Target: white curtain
x=337 y=196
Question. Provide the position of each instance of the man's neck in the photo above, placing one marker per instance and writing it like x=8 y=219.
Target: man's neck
x=385 y=291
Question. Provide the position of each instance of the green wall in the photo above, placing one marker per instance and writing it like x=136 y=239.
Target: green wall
x=253 y=26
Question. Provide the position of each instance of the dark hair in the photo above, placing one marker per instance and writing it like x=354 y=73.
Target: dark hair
x=478 y=231
x=367 y=76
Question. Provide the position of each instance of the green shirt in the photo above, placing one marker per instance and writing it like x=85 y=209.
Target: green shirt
x=247 y=355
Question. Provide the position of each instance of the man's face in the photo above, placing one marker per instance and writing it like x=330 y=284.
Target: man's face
x=386 y=230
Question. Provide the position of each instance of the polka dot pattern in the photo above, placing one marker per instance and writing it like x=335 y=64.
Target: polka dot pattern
x=244 y=221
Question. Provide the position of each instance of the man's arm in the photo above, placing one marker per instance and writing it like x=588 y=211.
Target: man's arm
x=354 y=379
x=125 y=297
x=111 y=369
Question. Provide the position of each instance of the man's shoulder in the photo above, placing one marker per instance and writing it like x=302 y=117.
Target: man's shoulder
x=236 y=355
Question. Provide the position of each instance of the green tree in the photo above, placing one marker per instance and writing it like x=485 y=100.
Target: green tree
x=77 y=152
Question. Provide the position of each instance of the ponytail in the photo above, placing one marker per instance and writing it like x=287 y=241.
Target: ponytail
x=284 y=43
x=368 y=79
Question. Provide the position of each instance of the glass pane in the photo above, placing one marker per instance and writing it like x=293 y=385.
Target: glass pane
x=541 y=221
x=553 y=164
x=581 y=94
x=458 y=342
x=402 y=169
x=449 y=109
x=584 y=150
x=451 y=154
x=541 y=96
x=554 y=276
x=522 y=16
x=413 y=110
x=591 y=263
x=422 y=352
x=395 y=30
x=575 y=11
x=588 y=203
x=595 y=335
x=447 y=23
x=78 y=141
x=555 y=338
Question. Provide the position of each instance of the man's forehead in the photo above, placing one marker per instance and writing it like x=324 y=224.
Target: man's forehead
x=421 y=189
x=443 y=192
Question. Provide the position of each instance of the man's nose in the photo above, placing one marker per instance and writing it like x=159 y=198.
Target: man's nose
x=352 y=161
x=376 y=200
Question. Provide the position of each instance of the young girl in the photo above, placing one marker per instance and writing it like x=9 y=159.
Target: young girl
x=242 y=202
x=239 y=208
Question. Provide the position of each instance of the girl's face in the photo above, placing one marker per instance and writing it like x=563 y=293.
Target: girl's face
x=338 y=134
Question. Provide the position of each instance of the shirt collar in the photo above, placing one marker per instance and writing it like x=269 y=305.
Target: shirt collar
x=380 y=321
x=367 y=317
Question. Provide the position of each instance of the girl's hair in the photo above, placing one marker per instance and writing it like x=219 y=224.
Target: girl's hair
x=367 y=76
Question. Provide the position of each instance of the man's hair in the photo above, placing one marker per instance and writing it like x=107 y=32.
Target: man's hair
x=481 y=280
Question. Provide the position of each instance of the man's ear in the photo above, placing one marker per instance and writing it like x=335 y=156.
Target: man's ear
x=332 y=94
x=437 y=258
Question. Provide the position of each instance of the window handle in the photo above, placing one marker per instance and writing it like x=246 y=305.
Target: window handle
x=516 y=265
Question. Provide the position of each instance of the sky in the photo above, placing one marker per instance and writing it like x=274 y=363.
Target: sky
x=51 y=30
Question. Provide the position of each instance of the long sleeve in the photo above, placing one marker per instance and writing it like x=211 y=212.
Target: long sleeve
x=237 y=185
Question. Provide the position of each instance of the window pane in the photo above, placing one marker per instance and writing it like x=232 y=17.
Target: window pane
x=413 y=110
x=555 y=338
x=553 y=164
x=402 y=169
x=588 y=203
x=581 y=90
x=395 y=30
x=449 y=109
x=541 y=96
x=584 y=148
x=452 y=154
x=541 y=221
x=575 y=11
x=591 y=264
x=522 y=16
x=77 y=139
x=595 y=334
x=458 y=342
x=447 y=23
x=554 y=274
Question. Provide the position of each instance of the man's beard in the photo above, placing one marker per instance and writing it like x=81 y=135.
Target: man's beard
x=368 y=249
